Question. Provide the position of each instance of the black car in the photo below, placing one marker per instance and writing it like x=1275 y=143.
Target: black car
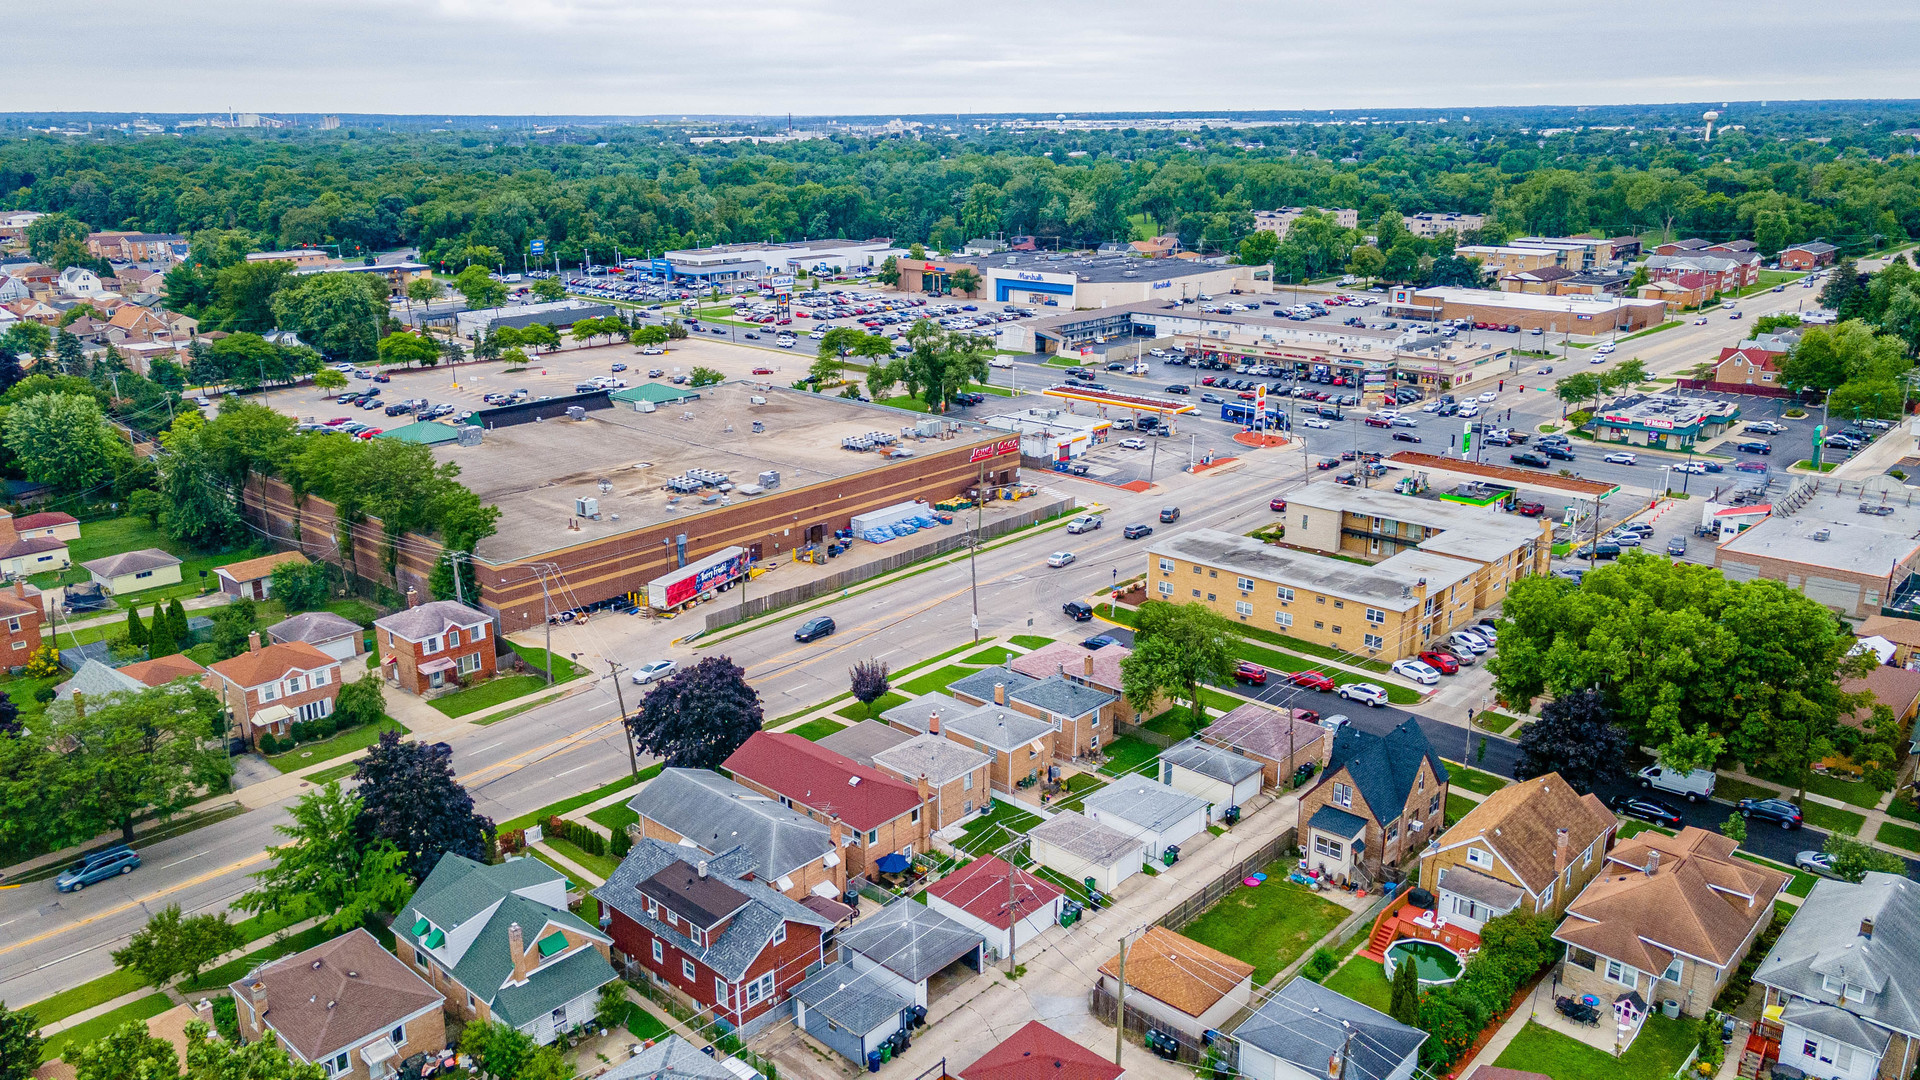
x=817 y=627
x=1606 y=551
x=1754 y=447
x=1098 y=641
x=1405 y=436
x=1649 y=810
x=1179 y=388
x=1137 y=530
x=1557 y=452
x=1779 y=811
x=1077 y=610
x=1530 y=459
x=1169 y=515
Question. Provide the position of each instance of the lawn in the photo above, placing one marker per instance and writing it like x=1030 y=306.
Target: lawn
x=1900 y=836
x=1030 y=641
x=486 y=695
x=564 y=669
x=589 y=907
x=1854 y=792
x=814 y=730
x=1473 y=779
x=615 y=816
x=985 y=835
x=1802 y=882
x=1904 y=809
x=602 y=866
x=1458 y=806
x=1630 y=829
x=1733 y=790
x=111 y=536
x=100 y=1026
x=856 y=711
x=643 y=1025
x=575 y=802
x=503 y=714
x=1498 y=723
x=347 y=742
x=1127 y=754
x=996 y=654
x=1822 y=816
x=1176 y=723
x=218 y=978
x=1656 y=1054
x=936 y=680
x=336 y=772
x=1079 y=786
x=1363 y=980
x=83 y=997
x=1268 y=926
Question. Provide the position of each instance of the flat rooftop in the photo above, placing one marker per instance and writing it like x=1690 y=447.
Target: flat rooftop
x=1095 y=268
x=535 y=471
x=1856 y=541
x=1486 y=298
x=1493 y=532
x=1668 y=411
x=1387 y=584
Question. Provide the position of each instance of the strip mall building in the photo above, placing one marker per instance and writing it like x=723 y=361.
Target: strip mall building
x=1076 y=281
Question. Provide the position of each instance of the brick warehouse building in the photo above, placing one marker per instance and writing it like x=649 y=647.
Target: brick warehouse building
x=640 y=455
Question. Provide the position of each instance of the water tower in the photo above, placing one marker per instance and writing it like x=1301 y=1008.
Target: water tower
x=1710 y=116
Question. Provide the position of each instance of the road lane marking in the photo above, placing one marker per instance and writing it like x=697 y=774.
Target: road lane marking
x=131 y=904
x=188 y=859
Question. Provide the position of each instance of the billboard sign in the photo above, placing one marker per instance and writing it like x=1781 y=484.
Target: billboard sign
x=537 y=247
x=781 y=281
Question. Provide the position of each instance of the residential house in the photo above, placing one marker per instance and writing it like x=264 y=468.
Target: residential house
x=1683 y=293
x=1388 y=792
x=863 y=740
x=39 y=549
x=332 y=634
x=1845 y=977
x=94 y=680
x=431 y=645
x=794 y=853
x=1531 y=846
x=133 y=571
x=1748 y=365
x=1037 y=1052
x=671 y=1057
x=1903 y=633
x=129 y=280
x=908 y=946
x=21 y=613
x=131 y=324
x=1897 y=689
x=252 y=579
x=268 y=688
x=1078 y=848
x=957 y=777
x=1006 y=905
x=346 y=1004
x=162 y=670
x=134 y=246
x=1668 y=918
x=1096 y=668
x=296 y=256
x=851 y=1011
x=919 y=715
x=1308 y=1032
x=1021 y=746
x=500 y=943
x=1081 y=715
x=1281 y=740
x=1808 y=256
x=80 y=283
x=35 y=310
x=884 y=815
x=1153 y=813
x=711 y=929
x=47 y=525
x=12 y=288
x=1211 y=772
x=1181 y=984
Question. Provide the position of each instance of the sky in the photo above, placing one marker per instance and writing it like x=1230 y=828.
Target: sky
x=826 y=57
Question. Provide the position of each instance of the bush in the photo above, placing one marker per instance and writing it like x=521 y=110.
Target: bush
x=301 y=731
x=578 y=835
x=225 y=1020
x=622 y=843
x=1320 y=965
x=43 y=694
x=512 y=840
x=1513 y=948
x=269 y=744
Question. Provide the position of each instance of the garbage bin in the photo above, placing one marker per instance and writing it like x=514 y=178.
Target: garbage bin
x=873 y=1061
x=1671 y=1008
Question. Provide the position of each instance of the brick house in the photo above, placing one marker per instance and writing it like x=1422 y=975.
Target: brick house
x=1532 y=846
x=1746 y=365
x=1097 y=668
x=1081 y=715
x=1807 y=256
x=1669 y=918
x=886 y=815
x=132 y=324
x=702 y=809
x=21 y=614
x=712 y=930
x=1020 y=746
x=1387 y=791
x=269 y=687
x=957 y=777
x=346 y=1004
x=429 y=646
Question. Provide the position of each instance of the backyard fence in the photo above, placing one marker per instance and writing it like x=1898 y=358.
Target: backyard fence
x=1103 y=1005
x=1189 y=909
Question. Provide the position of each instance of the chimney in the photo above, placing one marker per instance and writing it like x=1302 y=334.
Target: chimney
x=700 y=868
x=1653 y=861
x=836 y=831
x=999 y=693
x=413 y=597
x=925 y=791
x=19 y=588
x=257 y=993
x=253 y=641
x=1086 y=665
x=933 y=723
x=1559 y=850
x=517 y=949
x=1866 y=928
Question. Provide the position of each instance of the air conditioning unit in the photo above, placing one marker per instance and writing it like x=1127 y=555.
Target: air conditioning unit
x=468 y=435
x=586 y=506
x=644 y=406
x=575 y=412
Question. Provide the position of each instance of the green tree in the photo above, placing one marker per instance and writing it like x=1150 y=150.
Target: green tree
x=327 y=869
x=1734 y=828
x=943 y=363
x=148 y=504
x=161 y=640
x=1578 y=387
x=59 y=240
x=1176 y=648
x=648 y=335
x=329 y=382
x=964 y=281
x=20 y=1044
x=882 y=378
x=300 y=586
x=64 y=441
x=232 y=624
x=479 y=288
x=407 y=350
x=70 y=353
x=1258 y=248
x=705 y=376
x=1366 y=262
x=361 y=701
x=423 y=290
x=136 y=630
x=1404 y=1005
x=1853 y=860
x=889 y=271
x=262 y=1059
x=550 y=289
x=827 y=368
x=128 y=1052
x=338 y=314
x=27 y=338
x=201 y=501
x=1843 y=294
x=540 y=336
x=243 y=294
x=173 y=946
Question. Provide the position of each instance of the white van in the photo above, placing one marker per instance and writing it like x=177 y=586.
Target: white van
x=1695 y=785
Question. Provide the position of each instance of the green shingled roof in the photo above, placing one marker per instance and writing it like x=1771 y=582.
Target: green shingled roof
x=426 y=431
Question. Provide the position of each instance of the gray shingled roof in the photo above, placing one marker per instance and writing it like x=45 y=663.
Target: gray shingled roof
x=1215 y=762
x=1334 y=821
x=865 y=739
x=910 y=939
x=671 y=1058
x=1475 y=885
x=1148 y=804
x=980 y=684
x=913 y=712
x=313 y=627
x=1383 y=767
x=1305 y=1025
x=1061 y=696
x=1838 y=1023
x=1824 y=940
x=746 y=933
x=439 y=616
x=97 y=680
x=998 y=727
x=938 y=757
x=845 y=996
x=129 y=562
x=720 y=815
x=1081 y=836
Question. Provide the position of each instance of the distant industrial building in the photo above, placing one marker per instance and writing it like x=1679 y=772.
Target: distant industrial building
x=1585 y=315
x=1079 y=281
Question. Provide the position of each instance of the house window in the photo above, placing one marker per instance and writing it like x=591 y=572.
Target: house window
x=267 y=693
x=1375 y=641
x=1393 y=832
x=1320 y=600
x=1242 y=608
x=432 y=645
x=343 y=1063
x=1213 y=573
x=1285 y=595
x=467 y=664
x=1166 y=588
x=320 y=677
x=1674 y=970
x=780 y=933
x=398 y=1035
x=719 y=991
x=1166 y=566
x=1332 y=849
x=314 y=710
x=1546 y=899
x=873 y=836
x=477 y=632
x=1336 y=628
x=293 y=686
x=1340 y=604
x=686 y=969
x=1343 y=795
x=144 y=574
x=1196 y=592
x=1284 y=618
x=1621 y=973
x=966 y=784
x=1245 y=583
x=760 y=988
x=1376 y=616
x=453 y=638
x=13 y=625
x=915 y=816
x=659 y=954
x=1479 y=857
x=1210 y=596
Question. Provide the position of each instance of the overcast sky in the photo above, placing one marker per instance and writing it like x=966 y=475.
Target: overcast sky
x=633 y=57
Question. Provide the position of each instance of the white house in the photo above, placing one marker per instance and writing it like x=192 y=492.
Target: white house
x=1077 y=848
x=1005 y=904
x=1149 y=811
x=1298 y=1033
x=80 y=283
x=1214 y=773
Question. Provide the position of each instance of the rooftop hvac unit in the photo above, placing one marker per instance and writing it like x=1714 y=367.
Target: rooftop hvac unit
x=643 y=406
x=756 y=400
x=468 y=435
x=575 y=412
x=586 y=506
x=759 y=428
x=770 y=479
x=927 y=427
x=1821 y=535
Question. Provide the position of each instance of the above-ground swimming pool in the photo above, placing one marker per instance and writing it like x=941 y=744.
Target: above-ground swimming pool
x=1435 y=964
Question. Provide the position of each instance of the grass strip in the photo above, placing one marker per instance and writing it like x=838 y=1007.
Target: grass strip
x=494 y=718
x=1832 y=819
x=602 y=866
x=497 y=691
x=1894 y=834
x=615 y=816
x=575 y=802
x=347 y=742
x=1474 y=780
x=335 y=772
x=168 y=831
x=101 y=1026
x=89 y=994
x=1030 y=642
x=858 y=712
x=815 y=730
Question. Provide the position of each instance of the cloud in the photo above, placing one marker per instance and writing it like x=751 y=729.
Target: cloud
x=767 y=57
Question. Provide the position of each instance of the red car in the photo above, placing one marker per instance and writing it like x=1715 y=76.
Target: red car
x=1250 y=673
x=1312 y=680
x=1444 y=663
x=1529 y=509
x=1278 y=506
x=763 y=371
x=1208 y=381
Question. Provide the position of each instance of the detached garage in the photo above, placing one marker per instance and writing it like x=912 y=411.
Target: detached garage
x=1213 y=773
x=1007 y=905
x=913 y=951
x=1077 y=848
x=850 y=1010
x=1149 y=811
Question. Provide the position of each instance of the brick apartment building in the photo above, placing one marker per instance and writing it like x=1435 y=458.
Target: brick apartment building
x=21 y=613
x=885 y=815
x=268 y=687
x=434 y=645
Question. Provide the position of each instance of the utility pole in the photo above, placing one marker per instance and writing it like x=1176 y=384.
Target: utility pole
x=1120 y=1004
x=973 y=549
x=546 y=609
x=614 y=669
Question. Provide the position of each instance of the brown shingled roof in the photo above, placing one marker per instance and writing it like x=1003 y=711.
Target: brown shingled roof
x=164 y=669
x=1700 y=899
x=270 y=662
x=1521 y=821
x=337 y=993
x=1178 y=970
x=249 y=569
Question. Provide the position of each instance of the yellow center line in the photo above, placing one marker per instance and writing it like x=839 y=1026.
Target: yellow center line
x=131 y=904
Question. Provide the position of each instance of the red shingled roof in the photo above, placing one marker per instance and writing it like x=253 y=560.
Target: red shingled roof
x=1037 y=1052
x=981 y=889
x=816 y=777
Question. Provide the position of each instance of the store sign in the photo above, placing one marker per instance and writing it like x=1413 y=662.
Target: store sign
x=1163 y=284
x=1024 y=276
x=1004 y=446
x=537 y=247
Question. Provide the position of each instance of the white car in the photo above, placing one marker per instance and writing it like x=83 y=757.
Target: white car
x=1597 y=360
x=1468 y=410
x=1370 y=694
x=1419 y=672
x=1059 y=559
x=784 y=343
x=1387 y=414
x=1473 y=643
x=1084 y=524
x=1619 y=458
x=1489 y=395
x=1133 y=444
x=1315 y=422
x=1405 y=421
x=1000 y=362
x=1607 y=348
x=1433 y=406
x=653 y=672
x=652 y=350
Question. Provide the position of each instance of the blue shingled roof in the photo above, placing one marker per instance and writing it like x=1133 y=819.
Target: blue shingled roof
x=1384 y=767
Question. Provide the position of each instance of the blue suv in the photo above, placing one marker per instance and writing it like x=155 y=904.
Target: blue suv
x=97 y=867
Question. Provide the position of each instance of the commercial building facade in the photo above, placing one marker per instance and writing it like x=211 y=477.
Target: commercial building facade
x=1581 y=315
x=1074 y=281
